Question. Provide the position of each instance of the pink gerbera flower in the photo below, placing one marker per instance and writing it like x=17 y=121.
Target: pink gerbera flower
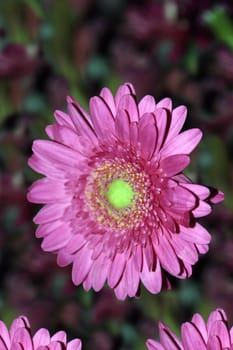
x=116 y=203
x=19 y=338
x=213 y=335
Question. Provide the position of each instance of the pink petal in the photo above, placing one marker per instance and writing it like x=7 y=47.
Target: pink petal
x=183 y=143
x=127 y=103
x=203 y=209
x=216 y=198
x=198 y=321
x=161 y=123
x=133 y=128
x=168 y=338
x=132 y=278
x=74 y=344
x=81 y=266
x=191 y=337
x=99 y=272
x=20 y=322
x=101 y=117
x=146 y=105
x=45 y=167
x=147 y=136
x=165 y=103
x=23 y=337
x=4 y=335
x=3 y=345
x=174 y=164
x=57 y=239
x=177 y=121
x=152 y=280
x=63 y=119
x=184 y=250
x=64 y=259
x=167 y=256
x=126 y=89
x=214 y=343
x=200 y=191
x=109 y=99
x=154 y=345
x=122 y=126
x=180 y=198
x=116 y=270
x=220 y=329
x=46 y=191
x=196 y=234
x=62 y=157
x=49 y=212
x=55 y=346
x=81 y=120
x=41 y=338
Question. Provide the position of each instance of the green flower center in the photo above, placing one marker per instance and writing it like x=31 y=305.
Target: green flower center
x=119 y=194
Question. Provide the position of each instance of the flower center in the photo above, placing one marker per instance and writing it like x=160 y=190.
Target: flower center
x=119 y=194
x=116 y=195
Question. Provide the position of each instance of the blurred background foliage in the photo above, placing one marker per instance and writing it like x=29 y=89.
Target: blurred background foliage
x=52 y=48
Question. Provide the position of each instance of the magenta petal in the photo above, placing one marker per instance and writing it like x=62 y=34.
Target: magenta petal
x=214 y=343
x=81 y=266
x=74 y=344
x=198 y=321
x=220 y=329
x=132 y=278
x=41 y=338
x=63 y=156
x=127 y=102
x=57 y=239
x=4 y=335
x=196 y=234
x=152 y=280
x=109 y=99
x=167 y=256
x=50 y=212
x=174 y=164
x=99 y=272
x=23 y=337
x=126 y=89
x=154 y=345
x=122 y=126
x=191 y=337
x=177 y=121
x=165 y=103
x=147 y=136
x=146 y=105
x=59 y=336
x=183 y=143
x=168 y=338
x=116 y=270
x=81 y=120
x=46 y=191
x=101 y=117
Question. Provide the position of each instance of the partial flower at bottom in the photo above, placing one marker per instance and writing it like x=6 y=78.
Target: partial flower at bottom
x=197 y=334
x=19 y=337
x=116 y=203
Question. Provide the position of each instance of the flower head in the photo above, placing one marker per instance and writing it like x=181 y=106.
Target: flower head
x=197 y=334
x=116 y=203
x=19 y=338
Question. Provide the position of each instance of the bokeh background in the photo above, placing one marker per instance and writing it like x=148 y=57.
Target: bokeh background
x=52 y=48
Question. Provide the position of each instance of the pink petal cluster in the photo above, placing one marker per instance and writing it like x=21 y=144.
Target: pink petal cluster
x=197 y=334
x=19 y=338
x=142 y=145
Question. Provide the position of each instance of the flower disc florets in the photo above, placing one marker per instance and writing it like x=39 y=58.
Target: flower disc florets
x=117 y=205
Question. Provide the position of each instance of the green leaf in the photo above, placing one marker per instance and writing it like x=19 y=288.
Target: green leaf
x=221 y=24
